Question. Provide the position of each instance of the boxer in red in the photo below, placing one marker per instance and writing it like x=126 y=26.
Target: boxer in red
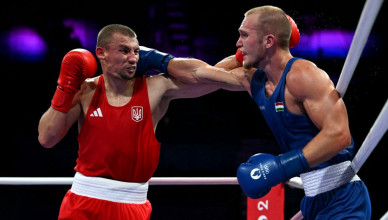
x=117 y=115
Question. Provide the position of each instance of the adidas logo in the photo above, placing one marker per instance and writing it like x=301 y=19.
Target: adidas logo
x=96 y=113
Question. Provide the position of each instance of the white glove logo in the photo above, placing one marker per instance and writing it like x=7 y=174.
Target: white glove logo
x=255 y=174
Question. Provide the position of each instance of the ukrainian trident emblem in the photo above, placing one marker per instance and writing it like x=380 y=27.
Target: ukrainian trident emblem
x=137 y=113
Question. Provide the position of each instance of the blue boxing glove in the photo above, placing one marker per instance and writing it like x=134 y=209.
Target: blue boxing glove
x=152 y=61
x=263 y=171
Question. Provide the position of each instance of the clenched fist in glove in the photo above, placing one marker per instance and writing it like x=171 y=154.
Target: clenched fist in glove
x=77 y=65
x=263 y=171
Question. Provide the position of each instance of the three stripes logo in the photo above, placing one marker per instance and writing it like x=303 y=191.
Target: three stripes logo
x=96 y=113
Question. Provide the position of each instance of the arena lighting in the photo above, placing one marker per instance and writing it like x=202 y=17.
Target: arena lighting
x=326 y=44
x=25 y=44
x=84 y=31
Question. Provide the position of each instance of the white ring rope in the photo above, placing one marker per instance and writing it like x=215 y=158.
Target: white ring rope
x=365 y=24
x=36 y=180
x=385 y=216
x=153 y=181
x=294 y=182
x=193 y=181
x=372 y=139
x=364 y=27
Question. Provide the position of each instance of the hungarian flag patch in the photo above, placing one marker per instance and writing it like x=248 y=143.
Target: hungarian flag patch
x=279 y=107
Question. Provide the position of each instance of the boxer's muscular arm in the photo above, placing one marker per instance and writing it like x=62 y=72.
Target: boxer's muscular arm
x=314 y=89
x=228 y=63
x=194 y=71
x=77 y=65
x=187 y=70
x=308 y=90
x=234 y=63
x=164 y=87
x=54 y=125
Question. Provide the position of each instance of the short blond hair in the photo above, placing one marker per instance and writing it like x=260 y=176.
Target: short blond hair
x=272 y=20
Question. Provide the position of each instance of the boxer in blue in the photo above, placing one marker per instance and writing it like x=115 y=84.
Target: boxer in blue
x=304 y=112
x=307 y=117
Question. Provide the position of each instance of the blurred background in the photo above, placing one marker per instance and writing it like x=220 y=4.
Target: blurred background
x=203 y=137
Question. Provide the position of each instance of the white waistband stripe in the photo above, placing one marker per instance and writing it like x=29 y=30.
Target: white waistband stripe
x=110 y=190
x=328 y=178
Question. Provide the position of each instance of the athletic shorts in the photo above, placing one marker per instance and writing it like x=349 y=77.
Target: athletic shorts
x=77 y=207
x=349 y=201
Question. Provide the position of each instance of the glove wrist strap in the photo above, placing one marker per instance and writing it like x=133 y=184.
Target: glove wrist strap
x=293 y=163
x=62 y=100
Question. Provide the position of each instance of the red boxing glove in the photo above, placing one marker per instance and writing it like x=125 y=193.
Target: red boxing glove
x=295 y=35
x=77 y=65
x=239 y=56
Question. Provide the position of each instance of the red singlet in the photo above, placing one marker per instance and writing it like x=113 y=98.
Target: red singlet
x=119 y=142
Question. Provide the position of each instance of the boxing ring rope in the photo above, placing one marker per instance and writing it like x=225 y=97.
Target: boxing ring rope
x=153 y=181
x=293 y=182
x=364 y=27
x=372 y=139
x=385 y=216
